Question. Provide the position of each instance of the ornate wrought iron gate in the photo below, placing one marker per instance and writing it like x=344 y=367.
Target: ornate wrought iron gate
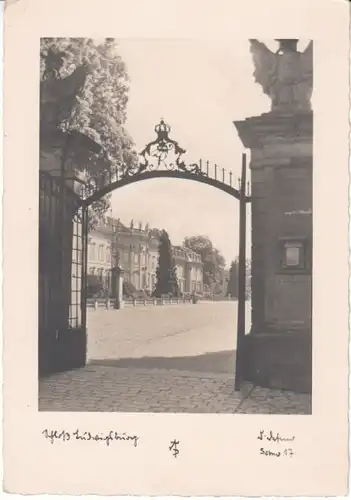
x=62 y=271
x=63 y=232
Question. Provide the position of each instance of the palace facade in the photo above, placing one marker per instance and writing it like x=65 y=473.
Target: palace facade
x=135 y=248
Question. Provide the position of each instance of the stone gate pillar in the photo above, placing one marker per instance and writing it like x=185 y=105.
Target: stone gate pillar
x=279 y=346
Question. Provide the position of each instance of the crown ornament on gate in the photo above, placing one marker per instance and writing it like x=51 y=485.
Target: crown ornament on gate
x=165 y=154
x=162 y=130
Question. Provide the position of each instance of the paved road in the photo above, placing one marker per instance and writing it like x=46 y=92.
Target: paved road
x=199 y=337
x=175 y=358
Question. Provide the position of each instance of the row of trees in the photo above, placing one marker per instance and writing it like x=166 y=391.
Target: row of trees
x=233 y=281
x=166 y=272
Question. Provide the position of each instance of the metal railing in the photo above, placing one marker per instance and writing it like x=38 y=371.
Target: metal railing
x=94 y=304
x=101 y=303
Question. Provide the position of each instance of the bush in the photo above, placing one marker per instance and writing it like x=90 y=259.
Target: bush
x=95 y=287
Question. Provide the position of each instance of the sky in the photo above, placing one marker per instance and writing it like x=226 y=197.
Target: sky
x=199 y=87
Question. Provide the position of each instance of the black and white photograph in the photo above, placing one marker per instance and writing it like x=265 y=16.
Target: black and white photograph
x=175 y=249
x=175 y=226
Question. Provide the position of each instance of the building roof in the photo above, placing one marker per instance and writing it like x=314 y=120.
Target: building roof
x=188 y=253
x=108 y=225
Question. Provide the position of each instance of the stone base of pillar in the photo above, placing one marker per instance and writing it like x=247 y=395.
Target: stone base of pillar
x=119 y=304
x=279 y=360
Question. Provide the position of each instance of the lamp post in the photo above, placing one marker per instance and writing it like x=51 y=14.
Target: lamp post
x=116 y=271
x=144 y=269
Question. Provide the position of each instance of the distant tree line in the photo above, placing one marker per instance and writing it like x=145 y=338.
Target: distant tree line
x=166 y=271
x=233 y=281
x=213 y=261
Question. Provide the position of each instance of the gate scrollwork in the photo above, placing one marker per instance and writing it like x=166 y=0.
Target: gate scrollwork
x=165 y=154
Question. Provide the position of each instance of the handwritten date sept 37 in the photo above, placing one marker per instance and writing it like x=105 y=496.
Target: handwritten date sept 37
x=274 y=438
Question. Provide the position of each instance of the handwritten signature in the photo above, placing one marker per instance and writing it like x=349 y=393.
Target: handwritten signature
x=65 y=436
x=275 y=437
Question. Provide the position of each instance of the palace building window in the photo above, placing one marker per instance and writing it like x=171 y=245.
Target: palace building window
x=108 y=254
x=92 y=249
x=100 y=253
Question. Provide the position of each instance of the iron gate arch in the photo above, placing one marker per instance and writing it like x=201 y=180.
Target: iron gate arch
x=66 y=329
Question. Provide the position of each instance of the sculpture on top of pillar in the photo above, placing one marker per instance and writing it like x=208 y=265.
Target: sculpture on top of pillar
x=59 y=95
x=286 y=76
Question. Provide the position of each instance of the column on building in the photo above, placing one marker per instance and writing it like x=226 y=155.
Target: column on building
x=188 y=277
x=140 y=272
x=148 y=270
x=131 y=263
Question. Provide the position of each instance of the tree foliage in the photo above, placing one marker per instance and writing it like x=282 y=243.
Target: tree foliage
x=100 y=109
x=128 y=289
x=166 y=273
x=211 y=257
x=233 y=283
x=94 y=285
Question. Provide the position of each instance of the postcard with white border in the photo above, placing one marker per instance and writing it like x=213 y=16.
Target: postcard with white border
x=176 y=247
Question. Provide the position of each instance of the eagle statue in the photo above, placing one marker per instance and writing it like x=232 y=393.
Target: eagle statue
x=58 y=96
x=286 y=76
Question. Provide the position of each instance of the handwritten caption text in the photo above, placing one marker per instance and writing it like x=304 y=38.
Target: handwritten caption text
x=86 y=436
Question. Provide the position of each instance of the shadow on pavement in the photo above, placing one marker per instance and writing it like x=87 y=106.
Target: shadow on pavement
x=211 y=362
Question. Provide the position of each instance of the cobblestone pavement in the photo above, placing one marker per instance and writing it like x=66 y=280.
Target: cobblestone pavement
x=178 y=358
x=101 y=388
x=272 y=401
